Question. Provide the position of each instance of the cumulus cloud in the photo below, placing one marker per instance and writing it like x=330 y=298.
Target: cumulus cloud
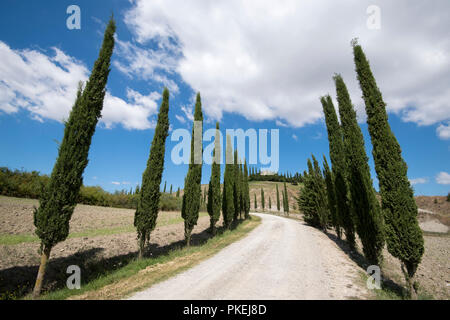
x=443 y=178
x=46 y=84
x=146 y=64
x=443 y=131
x=294 y=136
x=267 y=61
x=418 y=181
x=115 y=183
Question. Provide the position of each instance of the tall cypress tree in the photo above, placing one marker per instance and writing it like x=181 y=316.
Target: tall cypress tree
x=339 y=163
x=403 y=236
x=286 y=198
x=170 y=188
x=58 y=199
x=214 y=196
x=256 y=203
x=165 y=185
x=321 y=195
x=236 y=187
x=247 y=192
x=270 y=203
x=178 y=192
x=242 y=190
x=148 y=202
x=192 y=184
x=369 y=221
x=262 y=199
x=228 y=187
x=278 y=198
x=331 y=193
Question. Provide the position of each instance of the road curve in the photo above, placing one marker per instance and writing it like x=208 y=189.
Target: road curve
x=280 y=259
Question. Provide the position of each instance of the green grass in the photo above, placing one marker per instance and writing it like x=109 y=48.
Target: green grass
x=13 y=239
x=135 y=281
x=389 y=291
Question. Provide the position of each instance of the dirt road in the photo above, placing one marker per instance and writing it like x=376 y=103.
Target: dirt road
x=280 y=259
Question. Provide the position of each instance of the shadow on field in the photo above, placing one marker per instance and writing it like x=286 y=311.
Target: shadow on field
x=16 y=282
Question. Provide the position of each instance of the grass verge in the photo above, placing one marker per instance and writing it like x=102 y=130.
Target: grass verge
x=141 y=274
x=392 y=291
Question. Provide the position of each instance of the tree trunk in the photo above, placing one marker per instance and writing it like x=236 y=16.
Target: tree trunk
x=40 y=276
x=188 y=237
x=141 y=248
x=409 y=277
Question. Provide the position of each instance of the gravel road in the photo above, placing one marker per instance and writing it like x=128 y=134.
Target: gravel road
x=280 y=259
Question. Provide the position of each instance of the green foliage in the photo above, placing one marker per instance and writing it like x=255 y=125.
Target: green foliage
x=286 y=200
x=246 y=192
x=366 y=209
x=192 y=183
x=331 y=192
x=256 y=204
x=178 y=192
x=270 y=203
x=228 y=187
x=403 y=235
x=148 y=202
x=262 y=199
x=278 y=198
x=59 y=197
x=236 y=186
x=312 y=200
x=448 y=197
x=214 y=194
x=339 y=163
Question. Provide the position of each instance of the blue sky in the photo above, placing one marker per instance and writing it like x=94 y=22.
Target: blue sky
x=256 y=67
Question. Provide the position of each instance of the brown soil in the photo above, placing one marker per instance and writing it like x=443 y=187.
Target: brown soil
x=94 y=255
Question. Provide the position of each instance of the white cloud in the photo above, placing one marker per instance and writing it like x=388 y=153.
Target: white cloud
x=443 y=131
x=294 y=136
x=188 y=112
x=46 y=86
x=115 y=183
x=267 y=61
x=146 y=64
x=443 y=178
x=180 y=118
x=418 y=181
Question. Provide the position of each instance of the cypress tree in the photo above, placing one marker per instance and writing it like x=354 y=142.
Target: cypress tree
x=165 y=185
x=369 y=221
x=270 y=203
x=403 y=236
x=246 y=192
x=256 y=204
x=236 y=187
x=284 y=201
x=192 y=183
x=321 y=195
x=339 y=161
x=58 y=199
x=228 y=187
x=214 y=196
x=148 y=202
x=278 y=198
x=242 y=190
x=262 y=199
x=331 y=193
x=171 y=189
x=286 y=197
x=178 y=192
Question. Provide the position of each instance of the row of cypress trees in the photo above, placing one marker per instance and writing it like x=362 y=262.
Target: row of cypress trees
x=346 y=191
x=236 y=190
x=59 y=197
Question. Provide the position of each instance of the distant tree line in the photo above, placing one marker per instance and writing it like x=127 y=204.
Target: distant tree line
x=23 y=184
x=256 y=175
